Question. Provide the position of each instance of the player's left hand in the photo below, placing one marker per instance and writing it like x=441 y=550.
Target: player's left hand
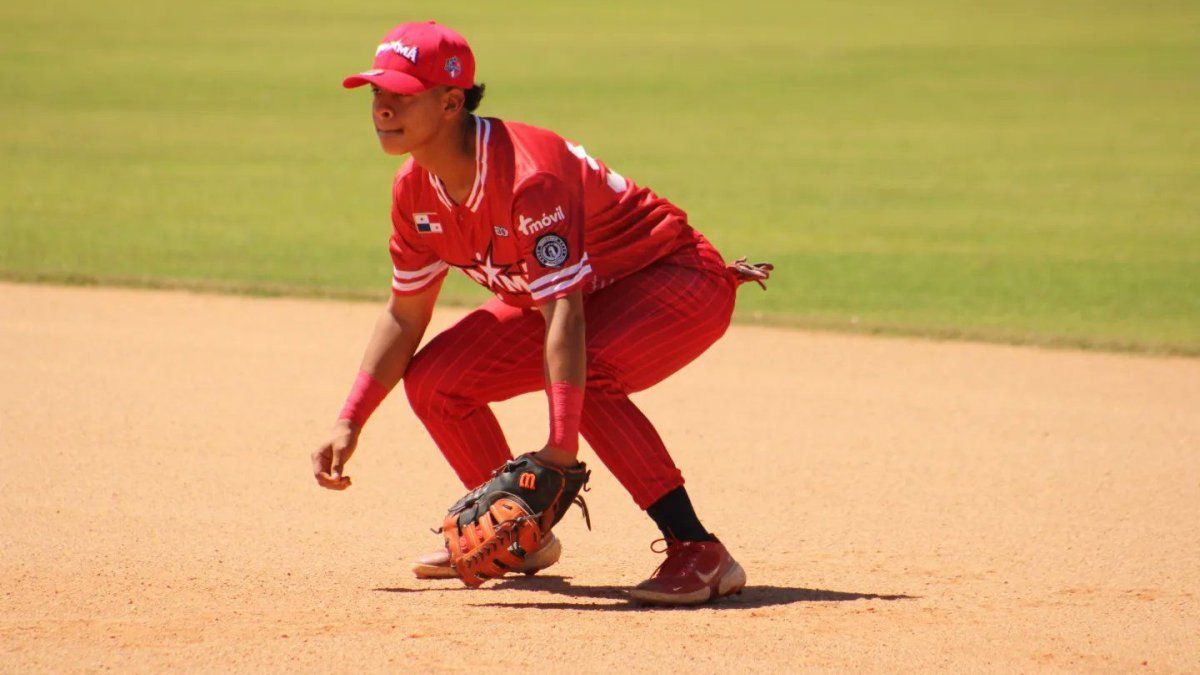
x=329 y=460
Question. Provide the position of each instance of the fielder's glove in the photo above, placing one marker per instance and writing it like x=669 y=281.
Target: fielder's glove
x=489 y=531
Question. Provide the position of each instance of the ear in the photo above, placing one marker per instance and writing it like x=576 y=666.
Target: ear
x=453 y=101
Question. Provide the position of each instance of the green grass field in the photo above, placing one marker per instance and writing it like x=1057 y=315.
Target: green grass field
x=1010 y=170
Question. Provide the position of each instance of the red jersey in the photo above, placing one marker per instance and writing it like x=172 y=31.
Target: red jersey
x=542 y=220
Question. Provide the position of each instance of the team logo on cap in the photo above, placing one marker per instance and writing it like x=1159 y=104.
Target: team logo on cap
x=551 y=250
x=453 y=67
x=407 y=51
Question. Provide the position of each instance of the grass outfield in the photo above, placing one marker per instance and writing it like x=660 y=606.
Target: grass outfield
x=1019 y=171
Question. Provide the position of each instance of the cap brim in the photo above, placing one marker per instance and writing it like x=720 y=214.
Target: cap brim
x=391 y=80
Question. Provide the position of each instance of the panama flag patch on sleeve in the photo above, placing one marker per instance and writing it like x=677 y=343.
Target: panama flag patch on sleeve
x=426 y=223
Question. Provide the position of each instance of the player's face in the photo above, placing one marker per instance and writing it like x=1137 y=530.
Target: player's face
x=404 y=122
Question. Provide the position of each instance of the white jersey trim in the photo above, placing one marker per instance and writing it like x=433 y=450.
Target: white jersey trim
x=564 y=272
x=414 y=286
x=483 y=133
x=440 y=191
x=551 y=290
x=560 y=280
x=406 y=282
x=433 y=268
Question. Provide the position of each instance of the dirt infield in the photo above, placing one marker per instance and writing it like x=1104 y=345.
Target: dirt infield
x=896 y=503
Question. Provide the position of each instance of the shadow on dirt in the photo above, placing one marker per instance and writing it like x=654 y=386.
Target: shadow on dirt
x=752 y=597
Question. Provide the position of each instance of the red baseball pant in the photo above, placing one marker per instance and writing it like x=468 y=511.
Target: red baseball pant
x=640 y=330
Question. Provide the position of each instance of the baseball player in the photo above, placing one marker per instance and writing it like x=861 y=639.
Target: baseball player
x=601 y=289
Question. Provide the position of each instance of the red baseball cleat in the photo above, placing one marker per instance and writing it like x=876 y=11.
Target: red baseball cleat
x=437 y=565
x=694 y=572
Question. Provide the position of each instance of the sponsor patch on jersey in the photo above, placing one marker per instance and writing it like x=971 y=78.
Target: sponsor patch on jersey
x=500 y=231
x=529 y=226
x=426 y=223
x=551 y=250
x=407 y=51
x=453 y=67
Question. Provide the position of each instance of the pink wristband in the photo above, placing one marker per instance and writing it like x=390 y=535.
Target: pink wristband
x=566 y=409
x=365 y=396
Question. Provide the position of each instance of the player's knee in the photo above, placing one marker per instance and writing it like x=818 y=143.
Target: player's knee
x=434 y=395
x=418 y=386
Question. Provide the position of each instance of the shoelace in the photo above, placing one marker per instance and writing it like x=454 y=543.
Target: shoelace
x=674 y=549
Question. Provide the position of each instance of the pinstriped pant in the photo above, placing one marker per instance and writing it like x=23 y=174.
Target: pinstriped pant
x=640 y=330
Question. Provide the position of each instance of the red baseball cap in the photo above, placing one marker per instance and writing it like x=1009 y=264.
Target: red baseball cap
x=417 y=56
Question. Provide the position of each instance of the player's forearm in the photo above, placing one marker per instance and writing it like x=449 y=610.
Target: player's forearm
x=566 y=377
x=566 y=342
x=388 y=352
x=390 y=348
x=397 y=334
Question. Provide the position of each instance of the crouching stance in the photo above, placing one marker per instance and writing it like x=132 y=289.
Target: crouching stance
x=602 y=290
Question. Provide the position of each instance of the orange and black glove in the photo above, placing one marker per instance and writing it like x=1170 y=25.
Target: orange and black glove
x=490 y=530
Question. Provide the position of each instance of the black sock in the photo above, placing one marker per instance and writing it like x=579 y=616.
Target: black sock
x=674 y=515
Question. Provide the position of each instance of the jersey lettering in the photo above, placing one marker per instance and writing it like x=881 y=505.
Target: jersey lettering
x=529 y=226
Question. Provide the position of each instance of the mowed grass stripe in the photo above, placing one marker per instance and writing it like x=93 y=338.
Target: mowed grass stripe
x=1008 y=171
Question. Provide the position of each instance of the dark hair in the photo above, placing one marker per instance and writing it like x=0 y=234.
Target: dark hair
x=473 y=96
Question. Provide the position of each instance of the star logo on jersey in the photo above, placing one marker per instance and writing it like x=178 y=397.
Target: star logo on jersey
x=497 y=276
x=491 y=271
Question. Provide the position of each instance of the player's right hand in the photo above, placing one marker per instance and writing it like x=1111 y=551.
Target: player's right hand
x=329 y=460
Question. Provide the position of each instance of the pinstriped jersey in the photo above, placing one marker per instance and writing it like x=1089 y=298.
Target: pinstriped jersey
x=543 y=219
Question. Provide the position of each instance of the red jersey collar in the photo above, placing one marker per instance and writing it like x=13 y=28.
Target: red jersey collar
x=483 y=133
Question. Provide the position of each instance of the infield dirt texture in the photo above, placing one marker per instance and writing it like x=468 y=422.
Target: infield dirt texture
x=898 y=504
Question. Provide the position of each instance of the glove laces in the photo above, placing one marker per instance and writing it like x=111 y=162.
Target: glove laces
x=757 y=272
